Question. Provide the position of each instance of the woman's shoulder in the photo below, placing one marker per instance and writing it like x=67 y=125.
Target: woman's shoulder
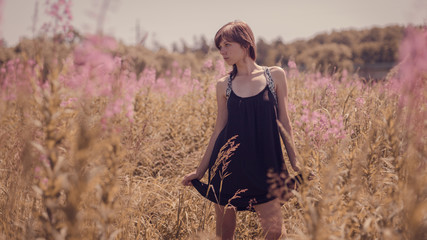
x=278 y=74
x=276 y=70
x=222 y=81
x=222 y=84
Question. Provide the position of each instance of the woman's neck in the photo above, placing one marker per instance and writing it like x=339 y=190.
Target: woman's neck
x=246 y=67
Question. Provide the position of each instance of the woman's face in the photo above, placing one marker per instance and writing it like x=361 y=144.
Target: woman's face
x=232 y=52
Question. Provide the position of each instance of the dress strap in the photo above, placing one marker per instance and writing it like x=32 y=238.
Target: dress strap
x=270 y=83
x=228 y=91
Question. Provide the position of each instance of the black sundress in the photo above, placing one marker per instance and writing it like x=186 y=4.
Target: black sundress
x=251 y=148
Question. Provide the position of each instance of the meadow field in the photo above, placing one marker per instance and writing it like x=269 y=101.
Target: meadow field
x=92 y=149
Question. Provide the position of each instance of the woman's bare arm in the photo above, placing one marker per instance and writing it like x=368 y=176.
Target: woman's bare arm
x=221 y=120
x=280 y=81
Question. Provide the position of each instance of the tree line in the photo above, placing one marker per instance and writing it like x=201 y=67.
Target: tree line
x=346 y=49
x=334 y=51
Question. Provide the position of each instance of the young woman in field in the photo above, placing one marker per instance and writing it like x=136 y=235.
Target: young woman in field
x=251 y=101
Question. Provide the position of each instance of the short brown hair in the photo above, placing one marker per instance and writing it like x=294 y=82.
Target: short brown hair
x=240 y=32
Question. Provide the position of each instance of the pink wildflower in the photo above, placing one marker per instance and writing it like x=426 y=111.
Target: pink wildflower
x=344 y=75
x=220 y=68
x=360 y=102
x=292 y=64
x=304 y=103
x=411 y=83
x=292 y=107
x=187 y=73
x=208 y=64
x=175 y=64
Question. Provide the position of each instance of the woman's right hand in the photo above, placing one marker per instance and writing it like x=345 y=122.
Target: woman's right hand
x=193 y=175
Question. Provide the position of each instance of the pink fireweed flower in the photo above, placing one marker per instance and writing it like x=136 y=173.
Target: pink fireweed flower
x=60 y=12
x=148 y=77
x=114 y=109
x=344 y=75
x=175 y=64
x=219 y=68
x=292 y=64
x=315 y=117
x=360 y=102
x=304 y=119
x=291 y=107
x=44 y=181
x=411 y=80
x=211 y=87
x=178 y=72
x=31 y=63
x=293 y=70
x=15 y=80
x=207 y=64
x=410 y=84
x=70 y=102
x=94 y=72
x=320 y=128
x=160 y=84
x=187 y=73
x=196 y=86
x=332 y=90
x=304 y=103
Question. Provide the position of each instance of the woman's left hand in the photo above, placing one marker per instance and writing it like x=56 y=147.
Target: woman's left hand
x=193 y=175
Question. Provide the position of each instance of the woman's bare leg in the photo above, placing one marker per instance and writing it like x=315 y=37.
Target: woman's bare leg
x=270 y=216
x=225 y=222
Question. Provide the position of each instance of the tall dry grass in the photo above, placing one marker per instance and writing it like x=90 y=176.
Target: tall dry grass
x=70 y=172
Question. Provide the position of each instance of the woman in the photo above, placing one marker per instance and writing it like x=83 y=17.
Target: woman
x=245 y=145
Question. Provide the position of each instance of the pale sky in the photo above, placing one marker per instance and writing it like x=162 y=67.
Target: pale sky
x=168 y=21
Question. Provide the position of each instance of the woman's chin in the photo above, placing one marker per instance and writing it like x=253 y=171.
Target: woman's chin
x=228 y=61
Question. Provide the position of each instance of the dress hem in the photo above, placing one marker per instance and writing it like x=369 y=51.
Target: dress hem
x=203 y=187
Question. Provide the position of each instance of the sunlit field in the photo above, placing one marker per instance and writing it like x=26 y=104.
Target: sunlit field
x=94 y=147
